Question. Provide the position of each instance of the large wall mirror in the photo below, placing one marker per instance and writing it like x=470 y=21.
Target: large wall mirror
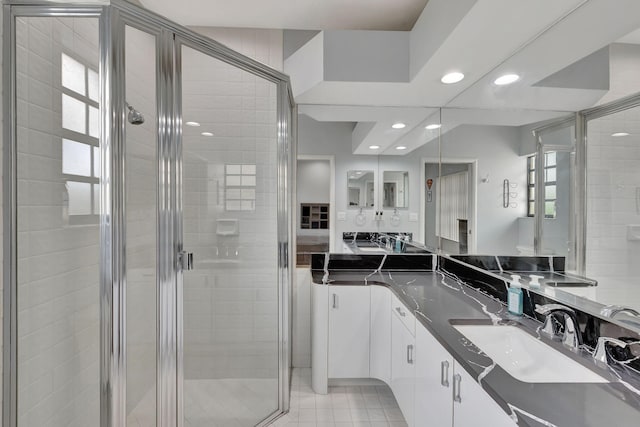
x=540 y=166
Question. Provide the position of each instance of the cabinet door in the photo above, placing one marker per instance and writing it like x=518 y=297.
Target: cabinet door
x=349 y=312
x=380 y=354
x=434 y=372
x=474 y=406
x=402 y=368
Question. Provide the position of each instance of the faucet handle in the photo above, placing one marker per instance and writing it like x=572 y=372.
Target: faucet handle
x=571 y=336
x=600 y=353
x=611 y=311
x=547 y=309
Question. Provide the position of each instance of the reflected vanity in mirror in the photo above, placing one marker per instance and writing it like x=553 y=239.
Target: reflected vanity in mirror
x=360 y=188
x=395 y=189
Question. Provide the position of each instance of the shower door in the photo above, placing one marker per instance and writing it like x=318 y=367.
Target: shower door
x=229 y=218
x=146 y=224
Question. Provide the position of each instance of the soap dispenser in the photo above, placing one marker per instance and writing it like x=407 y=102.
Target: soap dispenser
x=515 y=296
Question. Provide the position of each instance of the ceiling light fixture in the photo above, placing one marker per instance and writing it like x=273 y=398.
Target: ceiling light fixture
x=401 y=147
x=194 y=124
x=398 y=125
x=507 y=79
x=433 y=126
x=206 y=134
x=451 y=78
x=374 y=147
x=619 y=134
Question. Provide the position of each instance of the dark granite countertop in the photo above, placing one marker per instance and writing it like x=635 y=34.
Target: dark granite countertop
x=439 y=301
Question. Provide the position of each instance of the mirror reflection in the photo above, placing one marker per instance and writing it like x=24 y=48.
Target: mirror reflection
x=395 y=189
x=360 y=188
x=498 y=169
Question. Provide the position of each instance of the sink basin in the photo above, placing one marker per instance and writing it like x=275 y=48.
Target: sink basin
x=525 y=357
x=376 y=249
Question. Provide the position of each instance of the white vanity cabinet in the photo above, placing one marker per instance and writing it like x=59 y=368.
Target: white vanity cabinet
x=380 y=343
x=446 y=395
x=472 y=406
x=367 y=332
x=403 y=361
x=349 y=317
x=434 y=374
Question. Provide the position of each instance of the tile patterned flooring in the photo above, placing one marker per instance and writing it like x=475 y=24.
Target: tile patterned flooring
x=242 y=403
x=350 y=406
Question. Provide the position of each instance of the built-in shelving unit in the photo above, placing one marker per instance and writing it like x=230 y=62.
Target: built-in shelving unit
x=314 y=216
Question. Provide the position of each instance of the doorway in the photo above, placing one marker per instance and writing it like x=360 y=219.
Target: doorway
x=449 y=205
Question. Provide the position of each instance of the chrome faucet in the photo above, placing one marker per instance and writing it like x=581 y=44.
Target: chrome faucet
x=612 y=311
x=571 y=337
x=600 y=353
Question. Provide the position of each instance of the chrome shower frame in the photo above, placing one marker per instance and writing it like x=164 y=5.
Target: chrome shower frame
x=113 y=16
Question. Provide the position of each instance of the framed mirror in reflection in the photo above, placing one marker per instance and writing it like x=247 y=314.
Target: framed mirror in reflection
x=395 y=189
x=360 y=188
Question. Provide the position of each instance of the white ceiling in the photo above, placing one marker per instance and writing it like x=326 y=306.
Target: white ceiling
x=482 y=38
x=293 y=14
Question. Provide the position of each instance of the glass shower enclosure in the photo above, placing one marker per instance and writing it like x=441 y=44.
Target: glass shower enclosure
x=147 y=193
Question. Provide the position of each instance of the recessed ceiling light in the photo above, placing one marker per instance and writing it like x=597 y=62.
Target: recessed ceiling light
x=398 y=125
x=401 y=147
x=194 y=124
x=451 y=78
x=507 y=79
x=206 y=134
x=433 y=126
x=618 y=134
x=374 y=147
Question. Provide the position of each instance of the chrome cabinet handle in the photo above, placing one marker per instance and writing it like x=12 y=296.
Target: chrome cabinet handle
x=444 y=373
x=457 y=379
x=400 y=312
x=335 y=301
x=410 y=354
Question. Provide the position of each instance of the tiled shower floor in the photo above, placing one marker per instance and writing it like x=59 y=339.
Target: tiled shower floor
x=240 y=403
x=215 y=403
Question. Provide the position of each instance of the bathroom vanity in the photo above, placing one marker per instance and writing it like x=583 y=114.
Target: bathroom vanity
x=436 y=330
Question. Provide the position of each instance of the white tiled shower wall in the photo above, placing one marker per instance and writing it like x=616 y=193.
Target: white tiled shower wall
x=230 y=298
x=613 y=215
x=141 y=240
x=58 y=294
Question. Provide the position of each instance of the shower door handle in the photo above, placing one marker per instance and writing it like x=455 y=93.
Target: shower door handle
x=185 y=260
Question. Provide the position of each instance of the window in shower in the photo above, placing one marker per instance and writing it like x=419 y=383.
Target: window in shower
x=80 y=131
x=550 y=184
x=240 y=187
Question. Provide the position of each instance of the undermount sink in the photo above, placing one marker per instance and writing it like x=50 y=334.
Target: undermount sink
x=376 y=249
x=525 y=357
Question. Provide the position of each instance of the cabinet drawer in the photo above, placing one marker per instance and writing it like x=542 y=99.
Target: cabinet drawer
x=404 y=314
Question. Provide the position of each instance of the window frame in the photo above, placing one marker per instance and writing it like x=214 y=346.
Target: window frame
x=82 y=138
x=531 y=185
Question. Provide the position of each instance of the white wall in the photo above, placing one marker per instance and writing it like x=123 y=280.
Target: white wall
x=335 y=138
x=313 y=182
x=141 y=231
x=260 y=44
x=497 y=150
x=58 y=269
x=613 y=181
x=231 y=298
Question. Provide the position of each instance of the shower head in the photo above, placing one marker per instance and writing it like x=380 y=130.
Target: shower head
x=135 y=117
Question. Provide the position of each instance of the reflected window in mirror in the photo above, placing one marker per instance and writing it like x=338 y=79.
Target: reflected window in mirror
x=395 y=189
x=549 y=185
x=360 y=188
